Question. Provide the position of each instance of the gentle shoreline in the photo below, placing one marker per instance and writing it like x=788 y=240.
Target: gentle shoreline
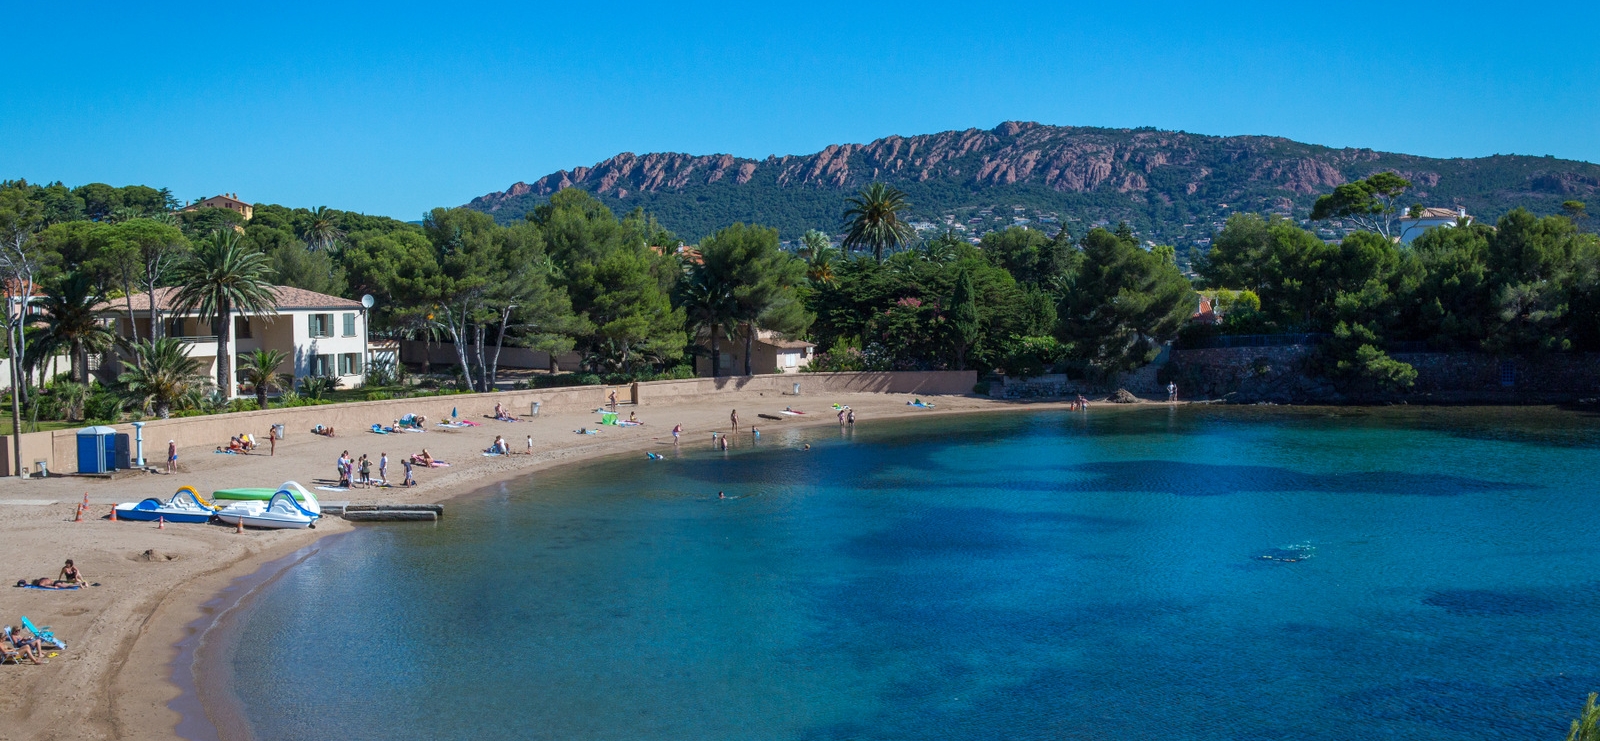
x=207 y=688
x=121 y=672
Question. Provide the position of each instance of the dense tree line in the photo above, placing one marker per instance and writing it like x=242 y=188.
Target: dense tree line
x=573 y=275
x=1526 y=284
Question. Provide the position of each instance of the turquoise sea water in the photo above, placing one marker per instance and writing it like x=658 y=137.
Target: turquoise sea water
x=1190 y=574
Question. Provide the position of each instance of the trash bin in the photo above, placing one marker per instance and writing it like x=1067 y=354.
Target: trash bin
x=97 y=450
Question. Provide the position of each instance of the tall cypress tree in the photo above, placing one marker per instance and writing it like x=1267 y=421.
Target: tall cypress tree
x=964 y=317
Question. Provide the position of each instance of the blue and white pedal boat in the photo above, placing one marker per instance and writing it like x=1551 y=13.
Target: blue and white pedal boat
x=184 y=506
x=281 y=512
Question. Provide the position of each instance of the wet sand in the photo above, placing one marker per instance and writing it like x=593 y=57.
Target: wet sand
x=117 y=678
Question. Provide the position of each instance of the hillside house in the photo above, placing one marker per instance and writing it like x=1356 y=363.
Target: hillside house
x=322 y=335
x=1410 y=227
x=228 y=201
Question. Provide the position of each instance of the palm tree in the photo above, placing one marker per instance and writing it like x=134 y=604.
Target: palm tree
x=260 y=369
x=163 y=374
x=322 y=232
x=709 y=305
x=819 y=254
x=72 y=396
x=71 y=324
x=873 y=220
x=221 y=276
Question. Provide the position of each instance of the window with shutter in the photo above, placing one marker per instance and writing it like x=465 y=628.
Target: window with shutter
x=349 y=325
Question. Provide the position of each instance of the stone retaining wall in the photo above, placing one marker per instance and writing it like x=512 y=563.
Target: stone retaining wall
x=1286 y=374
x=59 y=448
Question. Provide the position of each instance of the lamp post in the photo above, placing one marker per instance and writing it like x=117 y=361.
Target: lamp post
x=366 y=332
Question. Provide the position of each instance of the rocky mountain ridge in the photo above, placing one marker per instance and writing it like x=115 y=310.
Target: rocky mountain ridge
x=1169 y=184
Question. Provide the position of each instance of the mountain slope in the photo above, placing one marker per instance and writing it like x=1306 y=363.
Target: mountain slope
x=1171 y=186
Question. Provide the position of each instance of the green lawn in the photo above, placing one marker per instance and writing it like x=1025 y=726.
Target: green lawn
x=43 y=426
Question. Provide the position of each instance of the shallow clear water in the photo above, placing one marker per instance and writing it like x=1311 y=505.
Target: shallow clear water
x=1189 y=574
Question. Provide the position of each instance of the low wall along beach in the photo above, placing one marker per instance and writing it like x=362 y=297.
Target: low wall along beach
x=58 y=449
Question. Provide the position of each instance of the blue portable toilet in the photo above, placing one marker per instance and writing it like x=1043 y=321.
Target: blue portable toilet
x=97 y=450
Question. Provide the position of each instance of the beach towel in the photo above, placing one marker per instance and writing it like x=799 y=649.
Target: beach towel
x=333 y=488
x=53 y=589
x=381 y=430
x=411 y=429
x=226 y=452
x=440 y=464
x=494 y=455
x=841 y=406
x=586 y=432
x=792 y=412
x=502 y=419
x=629 y=423
x=462 y=423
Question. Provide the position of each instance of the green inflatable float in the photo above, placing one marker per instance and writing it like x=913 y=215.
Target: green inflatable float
x=259 y=494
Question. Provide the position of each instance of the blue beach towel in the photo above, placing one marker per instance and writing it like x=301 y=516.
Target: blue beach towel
x=52 y=589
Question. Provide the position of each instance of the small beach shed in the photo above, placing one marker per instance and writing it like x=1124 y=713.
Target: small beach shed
x=97 y=450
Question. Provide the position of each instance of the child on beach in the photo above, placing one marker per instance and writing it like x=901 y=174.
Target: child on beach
x=530 y=445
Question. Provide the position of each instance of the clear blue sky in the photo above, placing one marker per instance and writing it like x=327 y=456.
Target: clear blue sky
x=397 y=108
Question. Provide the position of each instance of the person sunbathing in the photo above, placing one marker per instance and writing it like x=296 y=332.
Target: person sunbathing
x=236 y=445
x=44 y=583
x=323 y=431
x=27 y=649
x=70 y=574
x=424 y=459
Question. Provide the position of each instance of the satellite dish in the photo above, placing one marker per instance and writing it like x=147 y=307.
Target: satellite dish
x=367 y=301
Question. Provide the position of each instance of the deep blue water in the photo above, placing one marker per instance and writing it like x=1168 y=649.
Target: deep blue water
x=1191 y=574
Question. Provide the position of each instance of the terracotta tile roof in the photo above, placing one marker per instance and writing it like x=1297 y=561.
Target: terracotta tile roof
x=785 y=344
x=288 y=298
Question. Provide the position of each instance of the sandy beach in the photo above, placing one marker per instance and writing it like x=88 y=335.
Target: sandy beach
x=116 y=679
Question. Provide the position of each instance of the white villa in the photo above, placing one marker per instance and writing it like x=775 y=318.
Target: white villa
x=1412 y=227
x=322 y=335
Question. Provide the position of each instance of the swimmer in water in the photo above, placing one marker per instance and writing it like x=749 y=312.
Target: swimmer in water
x=807 y=447
x=721 y=495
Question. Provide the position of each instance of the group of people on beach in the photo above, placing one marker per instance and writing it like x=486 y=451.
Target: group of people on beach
x=17 y=642
x=358 y=471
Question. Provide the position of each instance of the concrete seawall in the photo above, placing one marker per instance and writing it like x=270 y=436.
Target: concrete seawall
x=58 y=448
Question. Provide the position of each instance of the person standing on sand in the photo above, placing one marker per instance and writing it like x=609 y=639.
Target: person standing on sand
x=612 y=400
x=172 y=456
x=733 y=419
x=676 y=431
x=272 y=439
x=383 y=468
x=1172 y=391
x=406 y=462
x=530 y=445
